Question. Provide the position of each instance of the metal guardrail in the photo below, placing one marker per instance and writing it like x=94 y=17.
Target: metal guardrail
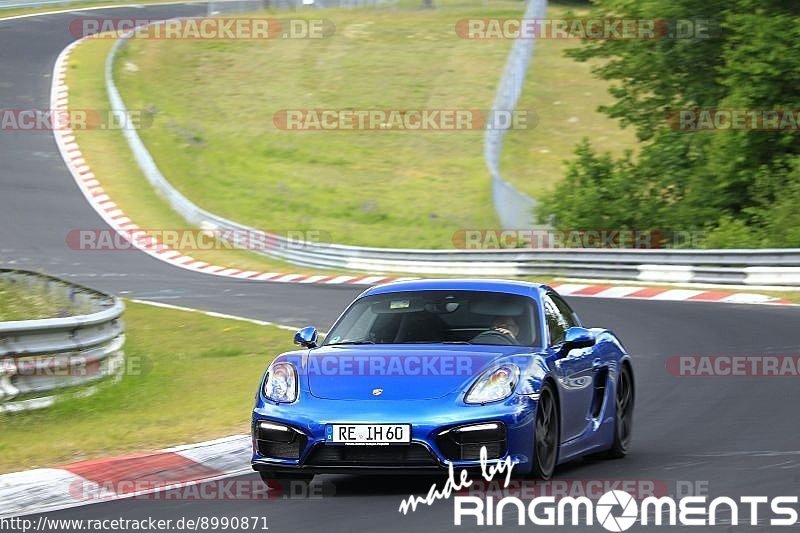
x=39 y=357
x=750 y=267
x=514 y=209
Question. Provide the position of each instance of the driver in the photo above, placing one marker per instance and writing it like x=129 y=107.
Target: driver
x=504 y=330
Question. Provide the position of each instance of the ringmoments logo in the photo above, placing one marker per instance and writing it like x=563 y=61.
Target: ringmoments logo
x=618 y=510
x=605 y=510
x=615 y=510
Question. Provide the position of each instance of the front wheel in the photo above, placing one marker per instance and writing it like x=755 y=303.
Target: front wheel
x=546 y=438
x=623 y=421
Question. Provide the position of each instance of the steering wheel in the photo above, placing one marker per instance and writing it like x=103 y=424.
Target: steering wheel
x=497 y=335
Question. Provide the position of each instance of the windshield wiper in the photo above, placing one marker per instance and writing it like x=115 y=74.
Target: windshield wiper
x=457 y=342
x=350 y=343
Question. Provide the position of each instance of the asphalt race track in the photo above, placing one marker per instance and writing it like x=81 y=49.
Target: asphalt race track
x=39 y=200
x=740 y=436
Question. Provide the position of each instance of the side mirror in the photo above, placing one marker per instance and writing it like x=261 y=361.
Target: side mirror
x=576 y=338
x=306 y=337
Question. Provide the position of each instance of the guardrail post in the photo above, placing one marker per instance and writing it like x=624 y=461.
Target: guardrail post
x=7 y=370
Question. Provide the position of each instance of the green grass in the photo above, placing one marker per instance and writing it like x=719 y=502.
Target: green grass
x=107 y=152
x=112 y=162
x=564 y=95
x=181 y=367
x=19 y=302
x=214 y=138
x=110 y=158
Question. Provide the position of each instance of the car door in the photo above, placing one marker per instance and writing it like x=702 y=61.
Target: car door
x=574 y=370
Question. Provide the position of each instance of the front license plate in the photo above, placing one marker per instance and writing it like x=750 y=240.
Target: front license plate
x=368 y=433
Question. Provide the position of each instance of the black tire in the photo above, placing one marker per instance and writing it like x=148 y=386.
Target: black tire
x=623 y=420
x=546 y=434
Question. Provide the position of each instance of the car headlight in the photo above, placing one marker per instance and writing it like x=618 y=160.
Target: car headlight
x=281 y=383
x=495 y=384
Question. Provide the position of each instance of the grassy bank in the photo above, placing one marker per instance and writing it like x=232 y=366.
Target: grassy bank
x=214 y=137
x=181 y=367
x=111 y=160
x=565 y=97
x=18 y=302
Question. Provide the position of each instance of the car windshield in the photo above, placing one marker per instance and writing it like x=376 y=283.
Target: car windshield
x=456 y=317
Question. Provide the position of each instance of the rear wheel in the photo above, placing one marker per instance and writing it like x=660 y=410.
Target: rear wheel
x=623 y=422
x=546 y=430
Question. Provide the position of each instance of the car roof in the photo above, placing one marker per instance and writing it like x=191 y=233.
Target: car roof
x=523 y=288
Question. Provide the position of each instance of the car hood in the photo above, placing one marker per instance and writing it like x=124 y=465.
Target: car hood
x=397 y=372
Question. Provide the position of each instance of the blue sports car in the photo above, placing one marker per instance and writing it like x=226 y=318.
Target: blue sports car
x=419 y=375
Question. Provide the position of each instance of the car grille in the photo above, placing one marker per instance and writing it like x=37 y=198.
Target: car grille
x=281 y=450
x=466 y=446
x=410 y=455
x=280 y=445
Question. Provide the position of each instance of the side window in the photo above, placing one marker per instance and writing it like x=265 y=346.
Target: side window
x=557 y=324
x=566 y=311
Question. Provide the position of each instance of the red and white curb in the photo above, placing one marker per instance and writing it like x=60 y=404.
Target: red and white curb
x=98 y=198
x=92 y=189
x=664 y=294
x=86 y=482
x=50 y=489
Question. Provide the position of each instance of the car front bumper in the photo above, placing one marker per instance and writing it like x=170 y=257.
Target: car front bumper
x=431 y=448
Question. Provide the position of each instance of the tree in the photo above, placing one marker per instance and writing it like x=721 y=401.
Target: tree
x=745 y=55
